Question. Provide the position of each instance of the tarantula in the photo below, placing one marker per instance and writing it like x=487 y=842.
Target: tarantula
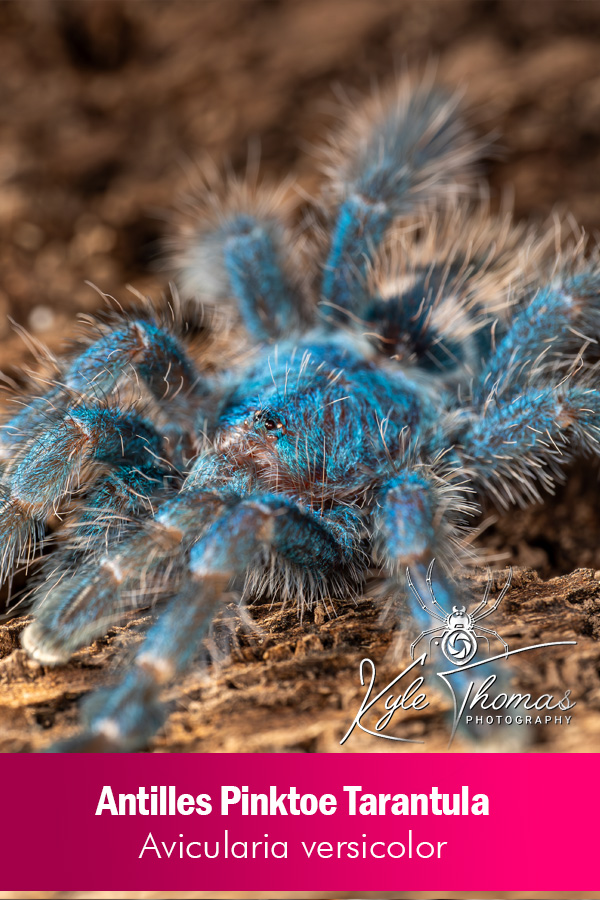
x=429 y=358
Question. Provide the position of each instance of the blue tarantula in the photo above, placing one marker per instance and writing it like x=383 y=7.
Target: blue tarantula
x=419 y=353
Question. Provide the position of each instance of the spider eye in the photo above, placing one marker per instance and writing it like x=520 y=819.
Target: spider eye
x=268 y=421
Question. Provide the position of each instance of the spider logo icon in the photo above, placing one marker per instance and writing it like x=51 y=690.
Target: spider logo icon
x=459 y=630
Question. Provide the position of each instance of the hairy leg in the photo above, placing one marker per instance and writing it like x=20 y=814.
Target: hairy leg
x=420 y=517
x=136 y=350
x=546 y=334
x=146 y=566
x=238 y=252
x=400 y=153
x=243 y=535
x=49 y=468
x=518 y=445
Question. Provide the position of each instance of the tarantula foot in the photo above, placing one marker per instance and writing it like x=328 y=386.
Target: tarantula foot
x=121 y=719
x=41 y=646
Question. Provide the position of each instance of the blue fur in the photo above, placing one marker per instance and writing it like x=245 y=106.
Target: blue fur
x=358 y=232
x=256 y=279
x=409 y=146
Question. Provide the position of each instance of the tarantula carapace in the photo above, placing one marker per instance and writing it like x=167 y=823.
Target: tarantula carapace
x=431 y=357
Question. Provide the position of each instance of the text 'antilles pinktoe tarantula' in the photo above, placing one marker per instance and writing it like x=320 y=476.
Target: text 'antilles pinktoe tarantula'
x=430 y=357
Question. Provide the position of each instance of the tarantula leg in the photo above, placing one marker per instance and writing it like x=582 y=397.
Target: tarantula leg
x=110 y=510
x=519 y=445
x=549 y=331
x=146 y=566
x=125 y=717
x=74 y=611
x=153 y=354
x=242 y=536
x=257 y=280
x=418 y=520
x=48 y=468
x=118 y=500
x=399 y=154
x=244 y=254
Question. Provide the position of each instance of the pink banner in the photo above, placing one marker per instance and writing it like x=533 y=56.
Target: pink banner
x=360 y=822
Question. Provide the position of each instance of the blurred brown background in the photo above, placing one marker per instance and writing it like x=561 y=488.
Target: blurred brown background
x=102 y=107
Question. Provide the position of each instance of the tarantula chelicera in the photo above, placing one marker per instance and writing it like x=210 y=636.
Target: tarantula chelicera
x=430 y=357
